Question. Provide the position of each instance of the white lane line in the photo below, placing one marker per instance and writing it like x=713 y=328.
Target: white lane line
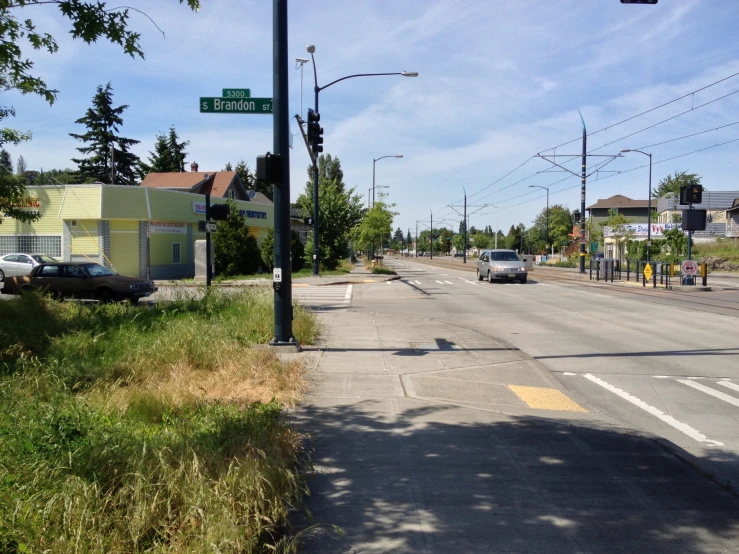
x=713 y=392
x=418 y=282
x=448 y=282
x=439 y=282
x=729 y=385
x=466 y=281
x=389 y=282
x=659 y=414
x=348 y=295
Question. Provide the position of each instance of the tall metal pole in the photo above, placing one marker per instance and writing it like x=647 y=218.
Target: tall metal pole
x=497 y=229
x=373 y=182
x=649 y=212
x=547 y=234
x=582 y=196
x=431 y=237
x=415 y=244
x=281 y=130
x=464 y=239
x=315 y=188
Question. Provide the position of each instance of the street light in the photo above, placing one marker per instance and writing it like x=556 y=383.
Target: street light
x=649 y=209
x=311 y=50
x=547 y=189
x=374 y=160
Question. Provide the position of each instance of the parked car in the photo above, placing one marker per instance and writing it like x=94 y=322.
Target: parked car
x=21 y=264
x=80 y=280
x=501 y=265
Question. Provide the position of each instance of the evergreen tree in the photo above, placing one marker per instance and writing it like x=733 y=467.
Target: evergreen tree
x=20 y=167
x=6 y=163
x=169 y=154
x=103 y=121
x=228 y=167
x=236 y=250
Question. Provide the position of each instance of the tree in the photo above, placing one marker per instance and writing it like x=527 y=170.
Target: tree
x=61 y=177
x=677 y=244
x=481 y=241
x=228 y=167
x=673 y=183
x=21 y=166
x=445 y=241
x=375 y=226
x=169 y=154
x=102 y=121
x=340 y=211
x=6 y=163
x=236 y=251
x=90 y=21
x=620 y=232
x=560 y=226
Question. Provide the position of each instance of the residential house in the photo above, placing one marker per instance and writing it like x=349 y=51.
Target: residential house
x=716 y=203
x=732 y=219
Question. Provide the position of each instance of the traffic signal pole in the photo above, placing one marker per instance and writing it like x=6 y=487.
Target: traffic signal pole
x=281 y=197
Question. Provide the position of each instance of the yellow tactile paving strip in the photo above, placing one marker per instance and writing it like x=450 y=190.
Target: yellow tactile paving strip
x=546 y=399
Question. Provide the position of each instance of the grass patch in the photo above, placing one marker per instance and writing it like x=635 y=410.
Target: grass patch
x=568 y=263
x=158 y=429
x=343 y=269
x=381 y=270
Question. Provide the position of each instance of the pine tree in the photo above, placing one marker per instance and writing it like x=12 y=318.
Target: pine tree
x=6 y=162
x=177 y=150
x=169 y=154
x=103 y=121
x=20 y=167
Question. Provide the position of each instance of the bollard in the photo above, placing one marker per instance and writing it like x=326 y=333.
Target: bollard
x=704 y=273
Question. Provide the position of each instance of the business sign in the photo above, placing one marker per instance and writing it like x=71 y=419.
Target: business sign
x=199 y=208
x=641 y=230
x=168 y=227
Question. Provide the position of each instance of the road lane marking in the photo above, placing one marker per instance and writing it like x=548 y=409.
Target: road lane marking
x=418 y=282
x=439 y=282
x=546 y=399
x=348 y=294
x=466 y=281
x=389 y=282
x=729 y=385
x=713 y=392
x=684 y=428
x=448 y=282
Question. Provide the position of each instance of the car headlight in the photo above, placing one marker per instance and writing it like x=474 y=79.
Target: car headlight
x=497 y=268
x=132 y=286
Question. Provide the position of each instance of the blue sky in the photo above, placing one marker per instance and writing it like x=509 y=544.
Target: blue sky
x=500 y=80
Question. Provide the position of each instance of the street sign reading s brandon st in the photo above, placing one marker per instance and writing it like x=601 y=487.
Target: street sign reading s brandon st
x=233 y=105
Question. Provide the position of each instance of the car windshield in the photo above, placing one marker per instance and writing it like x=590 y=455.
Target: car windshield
x=96 y=270
x=504 y=257
x=40 y=258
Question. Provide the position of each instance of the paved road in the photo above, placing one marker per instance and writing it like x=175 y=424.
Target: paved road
x=450 y=415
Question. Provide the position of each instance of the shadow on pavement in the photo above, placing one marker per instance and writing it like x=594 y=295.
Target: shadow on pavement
x=428 y=479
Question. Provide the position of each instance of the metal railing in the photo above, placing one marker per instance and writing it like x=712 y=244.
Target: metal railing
x=611 y=269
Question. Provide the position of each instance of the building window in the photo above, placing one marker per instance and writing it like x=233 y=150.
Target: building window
x=176 y=253
x=50 y=245
x=73 y=223
x=232 y=194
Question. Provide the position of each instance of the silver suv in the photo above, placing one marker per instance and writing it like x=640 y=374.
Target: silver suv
x=501 y=265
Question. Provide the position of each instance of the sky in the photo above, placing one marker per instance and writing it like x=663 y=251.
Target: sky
x=500 y=81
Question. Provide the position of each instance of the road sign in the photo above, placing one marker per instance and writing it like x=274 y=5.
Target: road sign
x=211 y=226
x=244 y=105
x=593 y=247
x=648 y=271
x=236 y=93
x=689 y=267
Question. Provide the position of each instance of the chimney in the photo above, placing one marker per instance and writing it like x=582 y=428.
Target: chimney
x=194 y=166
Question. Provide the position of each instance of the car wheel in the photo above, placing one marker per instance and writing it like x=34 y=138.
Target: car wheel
x=479 y=276
x=490 y=277
x=104 y=295
x=27 y=288
x=2 y=276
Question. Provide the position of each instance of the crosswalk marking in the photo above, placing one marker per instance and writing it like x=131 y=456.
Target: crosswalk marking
x=466 y=281
x=448 y=282
x=713 y=392
x=324 y=296
x=439 y=282
x=729 y=385
x=659 y=414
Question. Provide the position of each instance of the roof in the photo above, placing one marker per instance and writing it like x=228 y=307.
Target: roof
x=218 y=185
x=734 y=206
x=712 y=200
x=182 y=180
x=619 y=201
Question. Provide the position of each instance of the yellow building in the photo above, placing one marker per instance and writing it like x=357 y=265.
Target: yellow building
x=139 y=231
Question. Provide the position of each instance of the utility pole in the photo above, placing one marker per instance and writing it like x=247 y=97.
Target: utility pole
x=464 y=237
x=582 y=195
x=431 y=242
x=465 y=228
x=283 y=307
x=415 y=245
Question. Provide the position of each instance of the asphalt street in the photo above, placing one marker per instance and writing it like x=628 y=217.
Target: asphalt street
x=451 y=415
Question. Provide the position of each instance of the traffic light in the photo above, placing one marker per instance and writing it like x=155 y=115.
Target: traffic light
x=315 y=131
x=220 y=212
x=692 y=194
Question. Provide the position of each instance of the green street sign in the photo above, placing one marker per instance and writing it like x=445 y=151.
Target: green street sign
x=236 y=93
x=244 y=105
x=593 y=247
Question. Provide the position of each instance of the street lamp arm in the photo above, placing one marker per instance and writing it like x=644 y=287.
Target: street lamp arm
x=318 y=89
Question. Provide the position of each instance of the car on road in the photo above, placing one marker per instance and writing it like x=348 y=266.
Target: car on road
x=84 y=280
x=21 y=264
x=501 y=265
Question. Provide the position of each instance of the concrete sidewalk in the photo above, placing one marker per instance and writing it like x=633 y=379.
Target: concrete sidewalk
x=429 y=437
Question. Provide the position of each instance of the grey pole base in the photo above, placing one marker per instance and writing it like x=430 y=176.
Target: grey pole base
x=291 y=346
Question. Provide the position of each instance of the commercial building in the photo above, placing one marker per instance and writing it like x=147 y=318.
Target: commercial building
x=716 y=203
x=147 y=231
